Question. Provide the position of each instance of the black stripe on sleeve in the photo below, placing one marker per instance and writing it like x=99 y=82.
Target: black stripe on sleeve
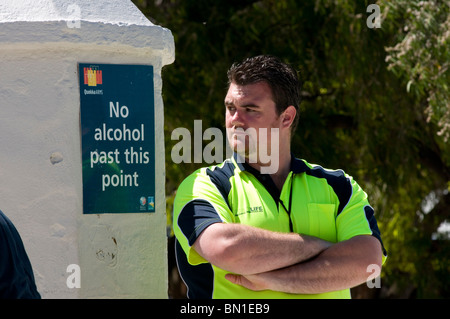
x=220 y=177
x=370 y=216
x=195 y=217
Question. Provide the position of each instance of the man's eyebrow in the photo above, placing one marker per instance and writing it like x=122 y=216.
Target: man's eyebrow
x=230 y=103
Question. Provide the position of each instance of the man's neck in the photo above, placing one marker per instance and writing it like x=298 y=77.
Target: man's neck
x=284 y=167
x=283 y=171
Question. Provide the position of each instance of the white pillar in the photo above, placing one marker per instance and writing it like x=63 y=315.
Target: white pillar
x=41 y=187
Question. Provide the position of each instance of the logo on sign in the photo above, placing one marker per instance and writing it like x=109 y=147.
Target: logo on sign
x=151 y=203
x=92 y=76
x=143 y=203
x=147 y=203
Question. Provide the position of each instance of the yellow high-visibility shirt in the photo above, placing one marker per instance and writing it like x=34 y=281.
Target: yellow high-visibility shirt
x=314 y=201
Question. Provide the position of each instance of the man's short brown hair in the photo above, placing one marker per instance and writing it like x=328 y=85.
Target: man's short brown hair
x=281 y=78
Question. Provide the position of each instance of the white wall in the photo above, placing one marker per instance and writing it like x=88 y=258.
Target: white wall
x=120 y=255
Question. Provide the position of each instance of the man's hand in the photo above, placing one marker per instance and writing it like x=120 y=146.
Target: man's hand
x=252 y=282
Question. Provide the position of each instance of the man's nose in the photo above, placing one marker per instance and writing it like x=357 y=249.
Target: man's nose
x=237 y=119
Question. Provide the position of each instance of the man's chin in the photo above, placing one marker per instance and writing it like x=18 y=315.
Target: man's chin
x=244 y=152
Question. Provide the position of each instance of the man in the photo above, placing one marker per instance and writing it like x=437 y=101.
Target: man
x=300 y=231
x=16 y=274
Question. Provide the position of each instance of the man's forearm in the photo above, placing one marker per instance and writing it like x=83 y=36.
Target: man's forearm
x=342 y=266
x=249 y=250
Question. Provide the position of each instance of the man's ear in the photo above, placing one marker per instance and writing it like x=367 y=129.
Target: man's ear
x=288 y=116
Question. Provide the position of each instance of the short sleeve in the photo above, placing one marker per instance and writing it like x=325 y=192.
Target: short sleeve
x=198 y=204
x=357 y=217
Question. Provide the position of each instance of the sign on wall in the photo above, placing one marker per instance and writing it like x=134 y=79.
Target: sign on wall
x=117 y=138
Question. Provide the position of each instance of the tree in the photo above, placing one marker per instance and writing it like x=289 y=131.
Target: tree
x=421 y=56
x=372 y=105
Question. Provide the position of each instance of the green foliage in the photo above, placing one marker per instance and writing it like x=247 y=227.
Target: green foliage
x=376 y=104
x=422 y=54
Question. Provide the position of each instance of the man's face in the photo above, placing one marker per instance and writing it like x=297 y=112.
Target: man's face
x=250 y=108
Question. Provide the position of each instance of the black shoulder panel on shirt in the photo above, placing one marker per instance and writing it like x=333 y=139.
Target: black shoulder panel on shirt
x=220 y=177
x=199 y=279
x=338 y=181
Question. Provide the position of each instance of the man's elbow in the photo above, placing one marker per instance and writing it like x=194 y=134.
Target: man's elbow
x=371 y=261
x=375 y=254
x=218 y=252
x=221 y=251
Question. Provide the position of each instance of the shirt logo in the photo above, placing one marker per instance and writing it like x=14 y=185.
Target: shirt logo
x=251 y=210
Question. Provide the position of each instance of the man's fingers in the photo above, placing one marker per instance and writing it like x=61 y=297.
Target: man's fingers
x=235 y=279
x=242 y=281
x=239 y=280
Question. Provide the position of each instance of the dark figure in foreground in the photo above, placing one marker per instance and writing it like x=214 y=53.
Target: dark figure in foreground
x=16 y=273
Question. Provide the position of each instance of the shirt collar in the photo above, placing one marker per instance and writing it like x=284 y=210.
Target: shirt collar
x=297 y=165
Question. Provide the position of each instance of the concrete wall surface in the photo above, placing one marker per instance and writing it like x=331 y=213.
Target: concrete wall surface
x=41 y=44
